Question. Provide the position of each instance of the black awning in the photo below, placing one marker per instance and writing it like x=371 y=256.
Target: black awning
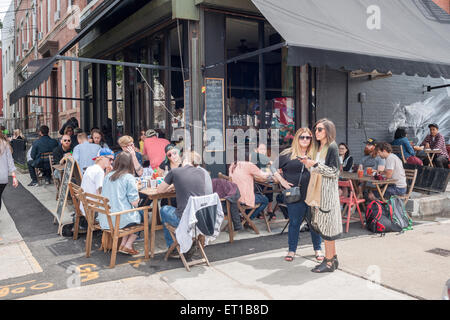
x=33 y=82
x=44 y=71
x=35 y=65
x=401 y=36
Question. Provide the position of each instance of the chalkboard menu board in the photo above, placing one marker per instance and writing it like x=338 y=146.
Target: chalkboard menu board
x=215 y=124
x=64 y=190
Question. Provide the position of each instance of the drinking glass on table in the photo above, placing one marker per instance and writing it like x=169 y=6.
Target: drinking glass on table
x=360 y=171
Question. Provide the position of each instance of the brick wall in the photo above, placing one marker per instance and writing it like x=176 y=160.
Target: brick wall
x=61 y=30
x=382 y=96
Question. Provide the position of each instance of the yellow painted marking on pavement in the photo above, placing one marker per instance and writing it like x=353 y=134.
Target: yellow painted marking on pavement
x=18 y=290
x=4 y=292
x=86 y=273
x=17 y=284
x=136 y=263
x=41 y=286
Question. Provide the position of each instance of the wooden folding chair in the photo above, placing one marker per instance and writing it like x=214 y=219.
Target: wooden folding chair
x=411 y=175
x=227 y=217
x=56 y=181
x=398 y=150
x=111 y=236
x=243 y=208
x=350 y=202
x=280 y=220
x=199 y=241
x=46 y=156
x=76 y=193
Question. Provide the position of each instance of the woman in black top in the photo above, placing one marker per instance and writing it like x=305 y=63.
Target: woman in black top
x=294 y=173
x=326 y=218
x=345 y=158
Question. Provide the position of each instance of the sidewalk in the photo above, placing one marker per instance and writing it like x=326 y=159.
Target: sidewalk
x=395 y=267
x=389 y=268
x=16 y=258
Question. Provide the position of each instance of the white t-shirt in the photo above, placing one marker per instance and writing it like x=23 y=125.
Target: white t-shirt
x=92 y=180
x=398 y=172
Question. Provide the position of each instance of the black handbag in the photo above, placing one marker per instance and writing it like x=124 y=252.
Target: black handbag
x=293 y=195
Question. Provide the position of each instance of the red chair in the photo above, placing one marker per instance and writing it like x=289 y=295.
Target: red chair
x=351 y=201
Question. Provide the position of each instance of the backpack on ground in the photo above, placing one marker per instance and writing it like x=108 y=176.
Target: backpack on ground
x=399 y=215
x=379 y=218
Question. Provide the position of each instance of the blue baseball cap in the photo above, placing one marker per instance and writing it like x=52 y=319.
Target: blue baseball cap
x=104 y=152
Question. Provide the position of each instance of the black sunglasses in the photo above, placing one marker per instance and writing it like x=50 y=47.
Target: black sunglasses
x=305 y=138
x=320 y=129
x=66 y=140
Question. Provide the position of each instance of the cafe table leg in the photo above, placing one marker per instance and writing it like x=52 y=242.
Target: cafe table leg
x=430 y=159
x=146 y=234
x=382 y=192
x=153 y=228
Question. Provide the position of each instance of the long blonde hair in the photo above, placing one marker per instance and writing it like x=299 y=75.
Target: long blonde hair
x=4 y=143
x=294 y=150
x=330 y=131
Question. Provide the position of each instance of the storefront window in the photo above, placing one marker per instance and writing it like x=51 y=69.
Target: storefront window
x=159 y=92
x=244 y=108
x=120 y=122
x=176 y=77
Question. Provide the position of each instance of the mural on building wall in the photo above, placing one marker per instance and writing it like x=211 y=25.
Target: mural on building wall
x=416 y=116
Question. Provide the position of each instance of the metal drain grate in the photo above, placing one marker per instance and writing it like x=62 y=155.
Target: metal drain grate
x=440 y=252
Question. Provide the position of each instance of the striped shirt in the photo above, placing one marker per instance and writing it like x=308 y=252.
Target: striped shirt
x=437 y=142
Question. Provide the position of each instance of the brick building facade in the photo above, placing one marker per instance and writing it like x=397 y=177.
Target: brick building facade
x=42 y=27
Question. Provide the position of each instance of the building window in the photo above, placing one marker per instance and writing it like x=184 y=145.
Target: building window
x=41 y=19
x=48 y=16
x=158 y=84
x=244 y=108
x=74 y=82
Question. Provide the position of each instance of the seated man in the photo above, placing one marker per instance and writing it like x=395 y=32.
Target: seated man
x=94 y=175
x=371 y=157
x=434 y=140
x=60 y=152
x=188 y=180
x=42 y=145
x=154 y=148
x=244 y=174
x=262 y=161
x=393 y=170
x=127 y=145
x=85 y=151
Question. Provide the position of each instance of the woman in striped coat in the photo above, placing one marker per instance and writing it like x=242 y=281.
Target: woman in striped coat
x=326 y=220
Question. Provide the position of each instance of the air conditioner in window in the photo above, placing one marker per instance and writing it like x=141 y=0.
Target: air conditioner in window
x=40 y=35
x=38 y=109
x=57 y=15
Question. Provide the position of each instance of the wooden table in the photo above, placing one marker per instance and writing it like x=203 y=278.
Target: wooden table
x=276 y=188
x=431 y=152
x=381 y=185
x=156 y=219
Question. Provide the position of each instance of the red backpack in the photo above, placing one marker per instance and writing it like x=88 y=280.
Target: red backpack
x=379 y=218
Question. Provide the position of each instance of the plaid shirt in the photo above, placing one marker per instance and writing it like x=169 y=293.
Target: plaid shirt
x=437 y=142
